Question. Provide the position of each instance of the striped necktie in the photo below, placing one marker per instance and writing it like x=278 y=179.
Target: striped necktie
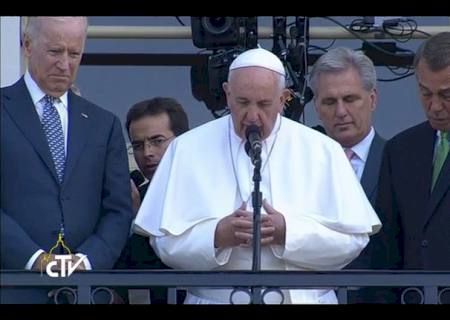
x=350 y=155
x=55 y=137
x=441 y=155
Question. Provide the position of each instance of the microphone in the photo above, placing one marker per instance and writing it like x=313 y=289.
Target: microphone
x=137 y=177
x=253 y=135
x=253 y=146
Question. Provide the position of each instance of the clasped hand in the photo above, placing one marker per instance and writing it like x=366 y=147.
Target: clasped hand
x=44 y=259
x=236 y=229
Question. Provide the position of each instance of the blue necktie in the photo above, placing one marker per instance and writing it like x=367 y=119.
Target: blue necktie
x=55 y=137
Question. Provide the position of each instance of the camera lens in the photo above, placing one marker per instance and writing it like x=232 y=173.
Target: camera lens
x=217 y=25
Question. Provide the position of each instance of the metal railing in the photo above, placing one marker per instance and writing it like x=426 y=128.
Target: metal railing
x=429 y=286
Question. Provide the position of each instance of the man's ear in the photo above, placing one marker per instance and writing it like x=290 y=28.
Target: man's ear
x=374 y=99
x=226 y=89
x=26 y=45
x=316 y=107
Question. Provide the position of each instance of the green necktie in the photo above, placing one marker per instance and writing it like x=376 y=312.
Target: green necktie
x=441 y=155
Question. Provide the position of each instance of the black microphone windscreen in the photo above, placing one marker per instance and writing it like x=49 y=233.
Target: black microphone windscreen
x=137 y=177
x=252 y=129
x=247 y=148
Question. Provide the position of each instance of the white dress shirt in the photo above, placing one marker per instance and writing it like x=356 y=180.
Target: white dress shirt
x=61 y=105
x=361 y=151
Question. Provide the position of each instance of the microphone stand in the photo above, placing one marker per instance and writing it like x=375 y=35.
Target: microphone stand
x=257 y=203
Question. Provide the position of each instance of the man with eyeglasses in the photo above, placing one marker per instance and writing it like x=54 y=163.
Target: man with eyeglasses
x=151 y=126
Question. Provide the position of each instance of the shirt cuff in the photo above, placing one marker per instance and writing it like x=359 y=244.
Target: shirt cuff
x=277 y=251
x=222 y=255
x=86 y=261
x=33 y=258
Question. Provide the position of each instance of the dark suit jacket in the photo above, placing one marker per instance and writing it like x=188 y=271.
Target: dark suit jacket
x=94 y=197
x=417 y=221
x=369 y=182
x=139 y=254
x=368 y=259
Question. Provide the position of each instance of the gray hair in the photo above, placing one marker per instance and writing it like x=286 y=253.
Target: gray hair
x=34 y=25
x=435 y=51
x=341 y=59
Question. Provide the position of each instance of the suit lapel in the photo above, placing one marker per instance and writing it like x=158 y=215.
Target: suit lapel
x=79 y=124
x=440 y=189
x=369 y=179
x=21 y=108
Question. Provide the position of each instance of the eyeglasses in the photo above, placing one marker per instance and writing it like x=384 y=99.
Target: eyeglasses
x=155 y=142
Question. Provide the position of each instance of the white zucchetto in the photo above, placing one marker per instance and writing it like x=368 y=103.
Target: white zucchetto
x=258 y=57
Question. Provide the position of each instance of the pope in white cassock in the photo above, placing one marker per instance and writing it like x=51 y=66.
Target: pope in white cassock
x=198 y=209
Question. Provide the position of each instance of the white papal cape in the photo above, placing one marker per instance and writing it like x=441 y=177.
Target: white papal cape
x=203 y=177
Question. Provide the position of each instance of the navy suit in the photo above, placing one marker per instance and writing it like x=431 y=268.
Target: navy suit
x=368 y=259
x=417 y=221
x=94 y=197
x=139 y=254
x=369 y=182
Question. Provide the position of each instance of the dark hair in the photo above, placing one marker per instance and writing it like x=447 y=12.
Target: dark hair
x=435 y=51
x=177 y=116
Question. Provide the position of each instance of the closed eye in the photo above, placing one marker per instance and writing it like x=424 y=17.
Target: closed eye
x=328 y=101
x=351 y=98
x=445 y=94
x=243 y=102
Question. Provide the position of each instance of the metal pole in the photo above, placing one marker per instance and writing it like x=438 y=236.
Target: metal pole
x=171 y=32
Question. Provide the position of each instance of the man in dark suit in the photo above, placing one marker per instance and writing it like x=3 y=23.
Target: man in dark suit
x=345 y=96
x=414 y=193
x=151 y=125
x=64 y=169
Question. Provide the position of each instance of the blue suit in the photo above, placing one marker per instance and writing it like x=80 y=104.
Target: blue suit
x=94 y=197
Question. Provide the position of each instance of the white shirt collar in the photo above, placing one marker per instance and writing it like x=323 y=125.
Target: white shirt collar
x=362 y=148
x=36 y=93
